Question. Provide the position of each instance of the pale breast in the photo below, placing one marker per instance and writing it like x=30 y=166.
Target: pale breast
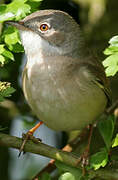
x=63 y=100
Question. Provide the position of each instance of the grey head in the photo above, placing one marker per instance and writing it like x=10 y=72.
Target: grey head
x=53 y=31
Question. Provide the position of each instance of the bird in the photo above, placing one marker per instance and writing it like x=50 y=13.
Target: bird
x=63 y=82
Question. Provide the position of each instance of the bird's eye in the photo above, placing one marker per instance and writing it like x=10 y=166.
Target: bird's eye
x=44 y=27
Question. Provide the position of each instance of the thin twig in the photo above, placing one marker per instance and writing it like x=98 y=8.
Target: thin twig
x=112 y=107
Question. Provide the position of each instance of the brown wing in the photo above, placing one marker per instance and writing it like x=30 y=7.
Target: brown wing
x=100 y=79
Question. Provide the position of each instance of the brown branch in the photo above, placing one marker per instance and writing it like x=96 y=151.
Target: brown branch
x=40 y=148
x=48 y=151
x=50 y=167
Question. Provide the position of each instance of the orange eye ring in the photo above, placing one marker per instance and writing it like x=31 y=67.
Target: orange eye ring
x=44 y=27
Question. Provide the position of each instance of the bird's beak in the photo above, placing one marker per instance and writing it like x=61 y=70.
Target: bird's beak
x=18 y=24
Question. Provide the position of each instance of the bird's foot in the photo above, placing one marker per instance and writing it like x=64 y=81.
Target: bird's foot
x=25 y=138
x=84 y=160
x=29 y=136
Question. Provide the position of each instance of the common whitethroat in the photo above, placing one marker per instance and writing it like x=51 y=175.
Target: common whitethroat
x=64 y=84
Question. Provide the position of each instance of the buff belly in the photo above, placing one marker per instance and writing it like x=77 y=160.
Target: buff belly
x=63 y=104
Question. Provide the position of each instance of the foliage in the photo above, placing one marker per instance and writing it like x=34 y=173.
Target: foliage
x=5 y=90
x=4 y=53
x=111 y=62
x=45 y=176
x=10 y=39
x=16 y=10
x=68 y=173
x=115 y=141
x=106 y=128
x=99 y=159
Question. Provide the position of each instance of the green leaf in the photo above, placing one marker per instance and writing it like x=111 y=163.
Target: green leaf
x=99 y=159
x=73 y=172
x=111 y=50
x=5 y=53
x=11 y=35
x=2 y=8
x=8 y=55
x=114 y=41
x=2 y=60
x=15 y=10
x=106 y=128
x=5 y=90
x=12 y=39
x=16 y=48
x=4 y=14
x=115 y=141
x=111 y=64
x=2 y=49
x=34 y=5
x=35 y=0
x=67 y=176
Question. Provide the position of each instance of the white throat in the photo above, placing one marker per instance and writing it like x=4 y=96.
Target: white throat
x=37 y=47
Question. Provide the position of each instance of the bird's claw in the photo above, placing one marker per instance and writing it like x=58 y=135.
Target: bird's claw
x=84 y=160
x=25 y=138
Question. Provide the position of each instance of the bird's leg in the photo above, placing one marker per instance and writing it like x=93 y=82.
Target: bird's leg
x=29 y=135
x=84 y=159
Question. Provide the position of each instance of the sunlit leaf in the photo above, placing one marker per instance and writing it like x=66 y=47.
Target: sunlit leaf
x=73 y=172
x=2 y=49
x=36 y=0
x=11 y=35
x=67 y=176
x=114 y=41
x=115 y=141
x=16 y=10
x=8 y=54
x=2 y=59
x=99 y=159
x=110 y=50
x=12 y=39
x=4 y=53
x=111 y=64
